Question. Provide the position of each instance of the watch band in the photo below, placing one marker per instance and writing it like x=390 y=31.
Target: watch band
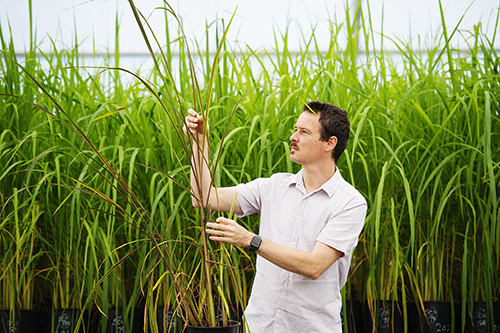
x=255 y=243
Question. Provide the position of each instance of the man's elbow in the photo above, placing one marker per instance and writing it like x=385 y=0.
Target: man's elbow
x=314 y=273
x=321 y=261
x=195 y=202
x=315 y=270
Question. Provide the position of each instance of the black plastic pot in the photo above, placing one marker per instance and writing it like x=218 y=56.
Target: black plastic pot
x=117 y=323
x=235 y=313
x=434 y=317
x=20 y=321
x=479 y=322
x=353 y=315
x=165 y=320
x=65 y=320
x=233 y=328
x=388 y=318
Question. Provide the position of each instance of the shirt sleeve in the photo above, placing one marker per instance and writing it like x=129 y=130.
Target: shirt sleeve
x=250 y=195
x=342 y=230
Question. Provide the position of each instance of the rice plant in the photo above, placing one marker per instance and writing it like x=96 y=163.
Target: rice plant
x=423 y=151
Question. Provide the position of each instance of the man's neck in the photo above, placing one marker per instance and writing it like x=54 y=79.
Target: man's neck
x=315 y=176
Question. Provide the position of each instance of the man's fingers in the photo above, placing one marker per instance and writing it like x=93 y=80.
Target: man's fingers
x=222 y=225
x=223 y=220
x=191 y=125
x=194 y=123
x=193 y=116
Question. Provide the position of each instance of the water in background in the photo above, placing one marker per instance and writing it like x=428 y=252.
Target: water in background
x=143 y=65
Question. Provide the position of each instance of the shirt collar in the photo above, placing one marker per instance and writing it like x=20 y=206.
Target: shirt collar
x=329 y=187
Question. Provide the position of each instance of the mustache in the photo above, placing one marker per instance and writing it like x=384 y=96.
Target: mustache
x=294 y=145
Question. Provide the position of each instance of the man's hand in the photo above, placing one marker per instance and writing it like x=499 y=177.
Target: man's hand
x=228 y=231
x=195 y=125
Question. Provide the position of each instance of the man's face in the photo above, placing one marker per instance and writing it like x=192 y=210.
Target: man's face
x=306 y=146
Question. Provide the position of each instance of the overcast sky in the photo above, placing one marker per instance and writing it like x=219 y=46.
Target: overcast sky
x=254 y=23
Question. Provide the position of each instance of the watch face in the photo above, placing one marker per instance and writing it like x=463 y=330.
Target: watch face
x=255 y=243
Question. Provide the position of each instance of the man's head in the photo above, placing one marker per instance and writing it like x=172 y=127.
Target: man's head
x=334 y=122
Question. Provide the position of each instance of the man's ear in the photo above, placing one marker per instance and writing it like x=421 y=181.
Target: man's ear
x=332 y=143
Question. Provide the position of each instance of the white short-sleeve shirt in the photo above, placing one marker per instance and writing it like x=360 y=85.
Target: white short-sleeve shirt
x=334 y=214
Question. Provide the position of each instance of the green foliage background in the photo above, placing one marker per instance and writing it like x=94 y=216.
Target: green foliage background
x=424 y=151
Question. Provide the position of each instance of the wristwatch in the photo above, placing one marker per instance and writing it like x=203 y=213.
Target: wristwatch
x=255 y=243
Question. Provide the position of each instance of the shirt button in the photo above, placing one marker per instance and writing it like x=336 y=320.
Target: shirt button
x=292 y=244
x=282 y=288
x=298 y=221
x=279 y=311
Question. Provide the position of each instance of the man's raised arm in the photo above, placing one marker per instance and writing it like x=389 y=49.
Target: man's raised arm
x=220 y=199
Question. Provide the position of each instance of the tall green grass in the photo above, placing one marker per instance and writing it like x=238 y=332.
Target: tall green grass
x=423 y=151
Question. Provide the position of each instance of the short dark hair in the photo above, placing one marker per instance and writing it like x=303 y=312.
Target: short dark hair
x=334 y=122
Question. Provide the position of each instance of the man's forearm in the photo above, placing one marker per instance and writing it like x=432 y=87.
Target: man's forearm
x=203 y=190
x=309 y=264
x=200 y=174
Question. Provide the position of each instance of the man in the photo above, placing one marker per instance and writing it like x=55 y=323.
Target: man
x=310 y=223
